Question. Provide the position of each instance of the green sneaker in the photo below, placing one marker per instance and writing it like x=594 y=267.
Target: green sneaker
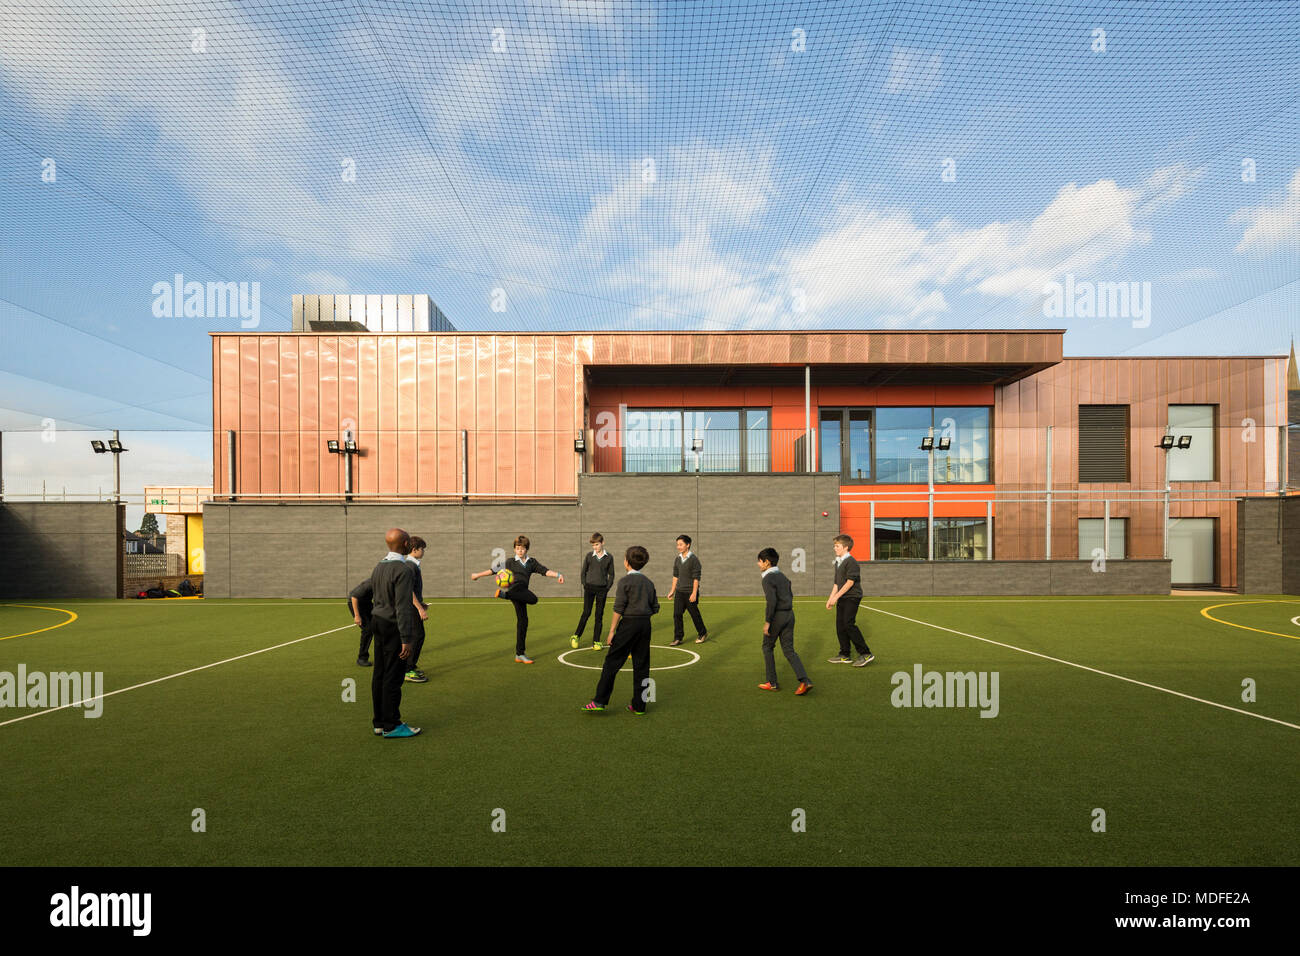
x=591 y=707
x=573 y=642
x=416 y=677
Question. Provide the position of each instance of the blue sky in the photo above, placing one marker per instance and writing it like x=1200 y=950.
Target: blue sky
x=633 y=165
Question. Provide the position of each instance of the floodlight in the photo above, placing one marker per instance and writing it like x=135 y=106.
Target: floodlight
x=98 y=446
x=1166 y=442
x=579 y=445
x=115 y=446
x=333 y=446
x=945 y=444
x=697 y=444
x=350 y=447
x=927 y=444
x=1184 y=441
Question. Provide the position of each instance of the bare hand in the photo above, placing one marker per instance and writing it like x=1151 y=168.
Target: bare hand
x=830 y=603
x=560 y=578
x=766 y=625
x=424 y=615
x=693 y=598
x=357 y=619
x=406 y=651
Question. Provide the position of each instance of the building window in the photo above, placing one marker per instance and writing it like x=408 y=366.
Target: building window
x=757 y=440
x=961 y=539
x=1103 y=442
x=717 y=430
x=846 y=442
x=899 y=458
x=901 y=539
x=663 y=440
x=967 y=459
x=1092 y=535
x=1197 y=462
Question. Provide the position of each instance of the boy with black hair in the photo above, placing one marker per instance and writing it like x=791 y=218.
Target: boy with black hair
x=629 y=633
x=521 y=567
x=778 y=622
x=686 y=567
x=360 y=603
x=597 y=577
x=845 y=598
x=413 y=672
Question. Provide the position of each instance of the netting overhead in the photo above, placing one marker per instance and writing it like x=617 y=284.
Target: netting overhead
x=609 y=165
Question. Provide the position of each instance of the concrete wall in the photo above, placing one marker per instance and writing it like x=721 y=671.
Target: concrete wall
x=52 y=549
x=1268 y=549
x=324 y=549
x=319 y=550
x=950 y=578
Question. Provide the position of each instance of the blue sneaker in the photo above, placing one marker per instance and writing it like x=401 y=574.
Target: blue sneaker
x=402 y=730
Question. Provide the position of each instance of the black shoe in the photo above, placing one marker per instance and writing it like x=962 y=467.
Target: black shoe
x=364 y=662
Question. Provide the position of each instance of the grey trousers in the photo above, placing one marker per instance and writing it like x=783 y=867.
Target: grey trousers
x=782 y=629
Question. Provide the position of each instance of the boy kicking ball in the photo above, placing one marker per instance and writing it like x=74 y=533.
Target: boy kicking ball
x=521 y=568
x=778 y=622
x=629 y=633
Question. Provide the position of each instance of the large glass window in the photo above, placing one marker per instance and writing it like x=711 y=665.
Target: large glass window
x=899 y=458
x=1197 y=462
x=859 y=445
x=664 y=440
x=1092 y=537
x=967 y=458
x=717 y=431
x=902 y=539
x=653 y=440
x=828 y=440
x=961 y=539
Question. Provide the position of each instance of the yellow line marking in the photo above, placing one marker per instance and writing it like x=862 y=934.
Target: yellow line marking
x=72 y=616
x=1205 y=613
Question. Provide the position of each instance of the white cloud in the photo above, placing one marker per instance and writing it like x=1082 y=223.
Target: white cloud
x=324 y=283
x=915 y=72
x=1271 y=225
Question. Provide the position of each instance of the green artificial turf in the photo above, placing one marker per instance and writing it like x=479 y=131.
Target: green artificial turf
x=287 y=772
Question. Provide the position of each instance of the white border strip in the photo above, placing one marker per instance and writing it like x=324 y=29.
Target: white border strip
x=1084 y=667
x=159 y=680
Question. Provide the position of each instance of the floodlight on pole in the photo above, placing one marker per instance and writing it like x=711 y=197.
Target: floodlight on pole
x=927 y=444
x=1184 y=441
x=945 y=444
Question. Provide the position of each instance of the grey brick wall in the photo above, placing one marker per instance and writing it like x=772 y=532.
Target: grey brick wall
x=323 y=550
x=1268 y=550
x=54 y=549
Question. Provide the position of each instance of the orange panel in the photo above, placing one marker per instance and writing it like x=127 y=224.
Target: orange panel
x=312 y=446
x=370 y=435
x=537 y=463
x=292 y=434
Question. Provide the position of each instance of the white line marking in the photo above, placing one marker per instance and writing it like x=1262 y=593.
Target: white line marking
x=670 y=667
x=1084 y=667
x=1296 y=620
x=159 y=680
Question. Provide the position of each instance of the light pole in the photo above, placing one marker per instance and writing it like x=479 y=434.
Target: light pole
x=1167 y=444
x=927 y=445
x=347 y=448
x=114 y=447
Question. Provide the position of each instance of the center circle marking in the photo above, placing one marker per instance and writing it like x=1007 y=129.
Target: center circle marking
x=590 y=667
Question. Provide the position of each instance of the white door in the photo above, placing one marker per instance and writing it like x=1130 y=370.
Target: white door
x=1191 y=546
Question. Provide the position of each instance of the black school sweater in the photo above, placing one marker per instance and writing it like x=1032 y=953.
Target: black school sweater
x=598 y=572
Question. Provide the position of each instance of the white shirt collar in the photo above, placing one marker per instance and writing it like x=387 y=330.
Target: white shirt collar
x=414 y=561
x=770 y=570
x=841 y=557
x=394 y=556
x=598 y=554
x=524 y=560
x=687 y=554
x=633 y=571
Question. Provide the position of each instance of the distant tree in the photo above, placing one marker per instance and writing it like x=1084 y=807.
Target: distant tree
x=150 y=524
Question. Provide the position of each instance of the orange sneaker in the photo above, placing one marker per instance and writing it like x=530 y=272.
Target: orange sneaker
x=802 y=689
x=768 y=687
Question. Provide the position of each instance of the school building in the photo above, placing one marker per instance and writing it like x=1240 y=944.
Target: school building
x=976 y=459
